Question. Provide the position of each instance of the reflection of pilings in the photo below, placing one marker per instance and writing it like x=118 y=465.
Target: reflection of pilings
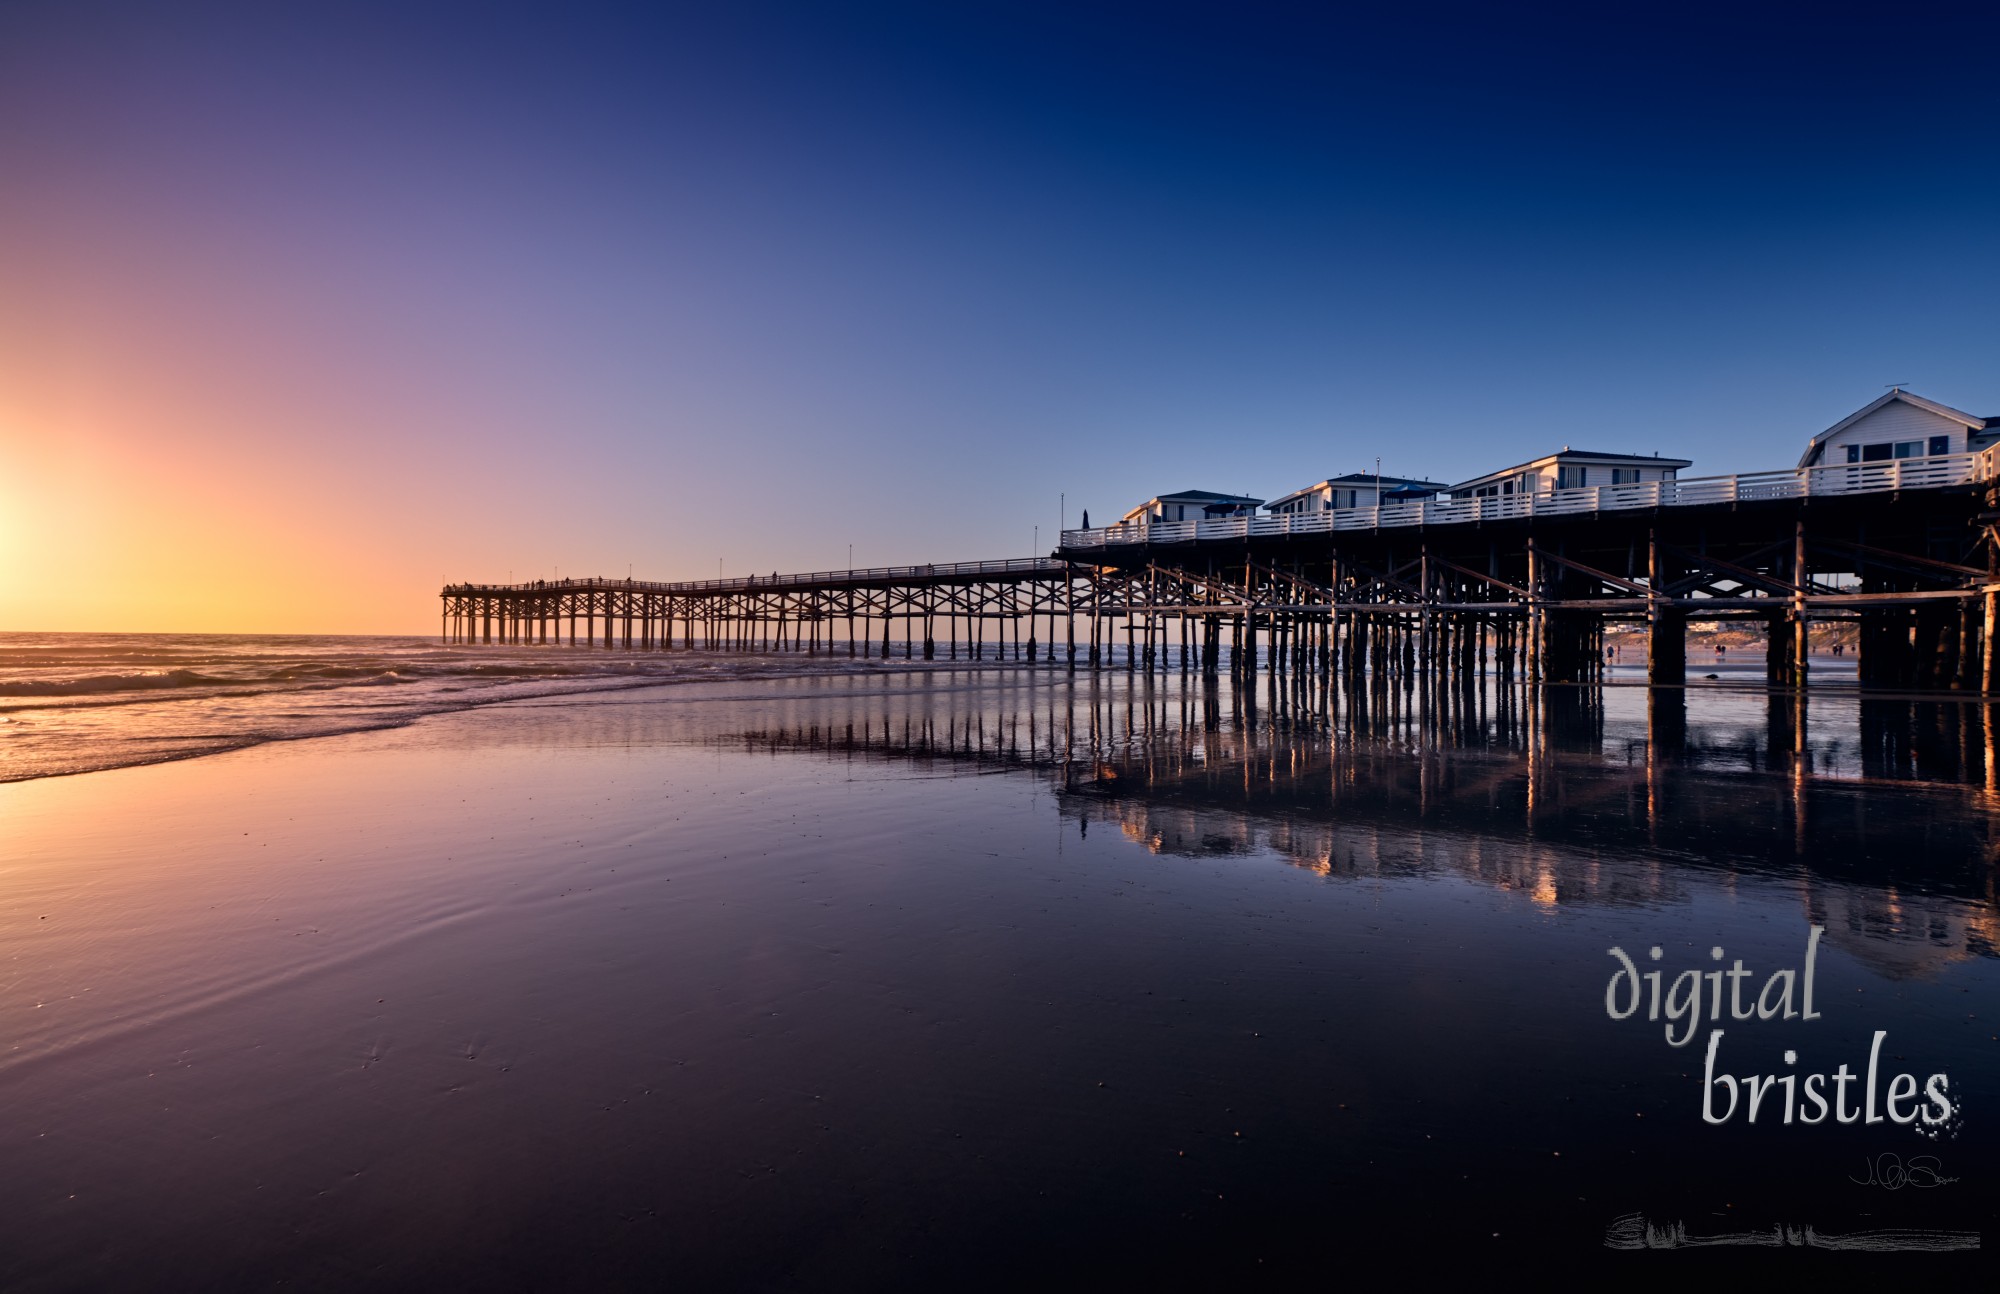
x=1575 y=717
x=1130 y=743
x=1666 y=723
x=1784 y=729
x=1903 y=740
x=1989 y=731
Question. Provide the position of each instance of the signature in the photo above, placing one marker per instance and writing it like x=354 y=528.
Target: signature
x=1636 y=1231
x=1891 y=1174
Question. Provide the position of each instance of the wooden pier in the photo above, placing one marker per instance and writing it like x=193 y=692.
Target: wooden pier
x=1522 y=586
x=887 y=610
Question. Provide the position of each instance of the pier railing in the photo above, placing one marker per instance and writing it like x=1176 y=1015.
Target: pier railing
x=1006 y=568
x=1807 y=482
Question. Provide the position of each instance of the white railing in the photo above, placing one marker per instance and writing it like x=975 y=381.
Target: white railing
x=1838 y=478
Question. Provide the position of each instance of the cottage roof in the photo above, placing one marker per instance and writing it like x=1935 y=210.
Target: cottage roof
x=1568 y=455
x=1390 y=485
x=1203 y=496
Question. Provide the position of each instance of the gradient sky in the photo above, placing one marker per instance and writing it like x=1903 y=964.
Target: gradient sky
x=306 y=306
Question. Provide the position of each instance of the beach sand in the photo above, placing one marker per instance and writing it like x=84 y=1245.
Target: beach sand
x=619 y=991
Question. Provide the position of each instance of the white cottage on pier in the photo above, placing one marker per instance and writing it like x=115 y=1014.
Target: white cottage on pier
x=1355 y=490
x=1899 y=425
x=1569 y=469
x=1192 y=505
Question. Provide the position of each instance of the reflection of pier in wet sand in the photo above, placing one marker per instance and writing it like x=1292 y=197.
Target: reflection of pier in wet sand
x=1571 y=801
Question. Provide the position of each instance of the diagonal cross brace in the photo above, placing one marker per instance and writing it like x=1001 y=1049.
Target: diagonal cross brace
x=1497 y=583
x=1741 y=574
x=1884 y=557
x=1593 y=572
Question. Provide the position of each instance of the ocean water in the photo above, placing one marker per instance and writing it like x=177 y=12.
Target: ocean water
x=800 y=974
x=77 y=703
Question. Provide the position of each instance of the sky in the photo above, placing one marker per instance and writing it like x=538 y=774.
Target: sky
x=305 y=308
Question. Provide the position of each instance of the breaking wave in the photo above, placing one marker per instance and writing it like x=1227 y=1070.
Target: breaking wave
x=92 y=685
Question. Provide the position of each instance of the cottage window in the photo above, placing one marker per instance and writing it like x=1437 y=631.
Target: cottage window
x=1909 y=449
x=1940 y=444
x=1624 y=476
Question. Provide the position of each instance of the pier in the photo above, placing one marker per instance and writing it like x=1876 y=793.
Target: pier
x=1444 y=590
x=883 y=611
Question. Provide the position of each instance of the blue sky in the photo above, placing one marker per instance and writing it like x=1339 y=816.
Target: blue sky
x=755 y=282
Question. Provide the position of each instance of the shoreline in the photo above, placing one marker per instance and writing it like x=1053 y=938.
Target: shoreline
x=70 y=734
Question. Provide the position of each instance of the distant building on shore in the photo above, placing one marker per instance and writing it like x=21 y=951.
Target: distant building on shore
x=1570 y=469
x=1899 y=425
x=1192 y=505
x=1355 y=490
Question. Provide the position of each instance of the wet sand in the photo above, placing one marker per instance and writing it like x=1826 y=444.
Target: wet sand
x=857 y=983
